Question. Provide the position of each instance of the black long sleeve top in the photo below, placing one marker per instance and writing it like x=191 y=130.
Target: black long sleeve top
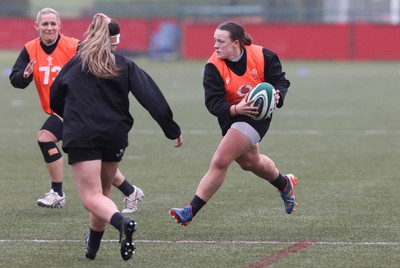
x=96 y=111
x=16 y=77
x=214 y=88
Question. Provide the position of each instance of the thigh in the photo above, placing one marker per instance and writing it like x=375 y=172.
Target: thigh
x=108 y=171
x=249 y=131
x=250 y=156
x=87 y=178
x=232 y=145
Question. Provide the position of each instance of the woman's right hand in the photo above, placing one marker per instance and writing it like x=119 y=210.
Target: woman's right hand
x=244 y=108
x=29 y=68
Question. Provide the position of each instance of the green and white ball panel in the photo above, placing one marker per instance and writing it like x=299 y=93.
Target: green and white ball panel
x=264 y=98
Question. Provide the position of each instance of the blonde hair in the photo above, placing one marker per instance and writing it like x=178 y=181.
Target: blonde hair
x=47 y=10
x=95 y=51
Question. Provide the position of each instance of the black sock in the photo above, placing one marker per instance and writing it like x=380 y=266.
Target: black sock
x=280 y=183
x=94 y=239
x=197 y=203
x=116 y=220
x=57 y=187
x=126 y=188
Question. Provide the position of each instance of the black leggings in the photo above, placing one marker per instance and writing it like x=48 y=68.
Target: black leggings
x=54 y=125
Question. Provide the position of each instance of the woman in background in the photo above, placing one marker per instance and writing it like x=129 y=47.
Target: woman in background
x=41 y=60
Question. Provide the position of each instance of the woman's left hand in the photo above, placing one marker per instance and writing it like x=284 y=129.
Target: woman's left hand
x=179 y=142
x=277 y=97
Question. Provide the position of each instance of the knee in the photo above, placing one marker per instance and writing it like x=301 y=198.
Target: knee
x=46 y=136
x=220 y=162
x=89 y=202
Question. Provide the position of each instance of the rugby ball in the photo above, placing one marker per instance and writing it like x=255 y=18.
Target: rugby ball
x=264 y=98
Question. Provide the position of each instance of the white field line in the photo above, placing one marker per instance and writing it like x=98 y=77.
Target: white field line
x=202 y=132
x=343 y=243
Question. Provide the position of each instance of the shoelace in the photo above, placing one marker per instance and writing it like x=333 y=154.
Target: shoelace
x=129 y=204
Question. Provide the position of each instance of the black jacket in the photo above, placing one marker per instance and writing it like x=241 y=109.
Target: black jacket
x=96 y=111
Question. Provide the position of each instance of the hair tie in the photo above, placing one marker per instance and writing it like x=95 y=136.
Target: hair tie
x=115 y=39
x=108 y=20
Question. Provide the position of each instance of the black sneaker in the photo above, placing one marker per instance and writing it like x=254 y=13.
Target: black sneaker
x=125 y=238
x=90 y=253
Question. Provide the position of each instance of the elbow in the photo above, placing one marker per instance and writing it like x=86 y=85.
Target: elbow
x=18 y=85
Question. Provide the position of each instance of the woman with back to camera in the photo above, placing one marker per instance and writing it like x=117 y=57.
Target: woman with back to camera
x=91 y=93
x=237 y=64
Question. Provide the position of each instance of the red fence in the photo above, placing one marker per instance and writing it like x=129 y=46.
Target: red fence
x=306 y=41
x=289 y=41
x=135 y=33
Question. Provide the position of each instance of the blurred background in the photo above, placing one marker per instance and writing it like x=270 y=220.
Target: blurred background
x=183 y=29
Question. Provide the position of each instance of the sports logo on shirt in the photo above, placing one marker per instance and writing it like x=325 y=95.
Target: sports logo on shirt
x=244 y=89
x=255 y=75
x=49 y=60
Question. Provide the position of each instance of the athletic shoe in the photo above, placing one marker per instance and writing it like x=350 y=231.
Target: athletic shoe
x=52 y=200
x=131 y=202
x=90 y=253
x=125 y=238
x=183 y=216
x=287 y=195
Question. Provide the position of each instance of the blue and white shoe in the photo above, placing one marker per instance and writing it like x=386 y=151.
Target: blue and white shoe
x=287 y=195
x=183 y=216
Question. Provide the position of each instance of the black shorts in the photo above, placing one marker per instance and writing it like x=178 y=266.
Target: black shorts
x=86 y=154
x=260 y=126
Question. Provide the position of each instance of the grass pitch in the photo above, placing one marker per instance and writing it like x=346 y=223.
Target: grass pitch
x=339 y=132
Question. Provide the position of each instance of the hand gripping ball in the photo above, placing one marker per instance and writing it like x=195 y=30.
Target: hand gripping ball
x=264 y=98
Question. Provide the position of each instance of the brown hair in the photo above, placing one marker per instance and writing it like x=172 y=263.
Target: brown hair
x=236 y=32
